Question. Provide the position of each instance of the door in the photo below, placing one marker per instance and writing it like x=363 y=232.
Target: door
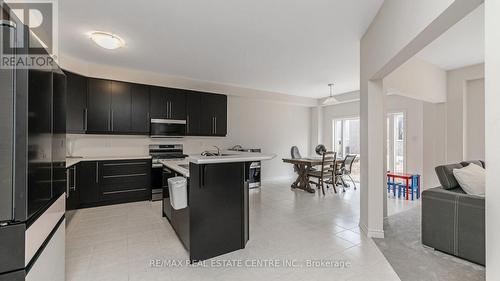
x=99 y=102
x=158 y=103
x=140 y=109
x=346 y=136
x=346 y=140
x=76 y=102
x=87 y=181
x=120 y=107
x=193 y=114
x=396 y=142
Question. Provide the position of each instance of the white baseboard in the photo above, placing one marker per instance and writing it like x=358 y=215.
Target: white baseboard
x=372 y=233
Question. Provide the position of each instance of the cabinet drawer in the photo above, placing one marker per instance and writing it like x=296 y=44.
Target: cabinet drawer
x=125 y=183
x=111 y=169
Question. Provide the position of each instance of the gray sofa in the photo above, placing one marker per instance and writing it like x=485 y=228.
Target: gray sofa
x=453 y=221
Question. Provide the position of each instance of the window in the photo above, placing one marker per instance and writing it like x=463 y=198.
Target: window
x=346 y=136
x=396 y=142
x=346 y=140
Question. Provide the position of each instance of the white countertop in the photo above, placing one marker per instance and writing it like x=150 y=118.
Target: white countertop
x=174 y=165
x=74 y=160
x=230 y=156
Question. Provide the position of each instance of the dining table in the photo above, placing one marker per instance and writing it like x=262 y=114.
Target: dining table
x=304 y=165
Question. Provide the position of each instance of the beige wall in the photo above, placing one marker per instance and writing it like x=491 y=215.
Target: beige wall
x=474 y=120
x=434 y=141
x=455 y=108
x=418 y=79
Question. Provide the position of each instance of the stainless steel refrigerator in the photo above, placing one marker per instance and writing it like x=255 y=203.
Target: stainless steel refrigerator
x=32 y=167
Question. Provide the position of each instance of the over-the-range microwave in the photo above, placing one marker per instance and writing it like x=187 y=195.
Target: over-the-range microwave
x=167 y=128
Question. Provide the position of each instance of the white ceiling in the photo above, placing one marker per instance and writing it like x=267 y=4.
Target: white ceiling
x=461 y=45
x=294 y=47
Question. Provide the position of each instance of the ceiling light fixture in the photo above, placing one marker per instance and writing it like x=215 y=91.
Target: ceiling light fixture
x=107 y=40
x=331 y=99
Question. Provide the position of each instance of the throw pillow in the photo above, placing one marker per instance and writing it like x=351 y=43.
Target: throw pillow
x=471 y=179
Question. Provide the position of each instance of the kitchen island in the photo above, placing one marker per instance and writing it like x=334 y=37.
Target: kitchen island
x=216 y=220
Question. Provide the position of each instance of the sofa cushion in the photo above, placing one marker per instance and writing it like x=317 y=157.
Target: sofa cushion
x=472 y=179
x=446 y=177
x=477 y=162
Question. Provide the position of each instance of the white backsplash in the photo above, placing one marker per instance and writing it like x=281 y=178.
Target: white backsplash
x=108 y=145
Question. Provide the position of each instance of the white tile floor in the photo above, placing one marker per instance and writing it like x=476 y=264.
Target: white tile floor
x=119 y=242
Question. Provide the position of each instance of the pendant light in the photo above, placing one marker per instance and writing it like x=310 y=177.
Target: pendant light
x=331 y=99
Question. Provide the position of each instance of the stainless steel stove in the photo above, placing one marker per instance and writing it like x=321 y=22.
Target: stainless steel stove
x=162 y=152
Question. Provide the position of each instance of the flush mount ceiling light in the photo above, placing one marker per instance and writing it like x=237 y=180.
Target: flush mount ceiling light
x=107 y=40
x=331 y=99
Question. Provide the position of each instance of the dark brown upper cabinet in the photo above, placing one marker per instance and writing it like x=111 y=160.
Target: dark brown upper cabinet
x=140 y=109
x=121 y=107
x=167 y=103
x=99 y=106
x=213 y=120
x=193 y=113
x=99 y=102
x=76 y=103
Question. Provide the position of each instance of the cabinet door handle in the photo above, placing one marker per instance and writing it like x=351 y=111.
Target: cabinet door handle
x=85 y=120
x=112 y=120
x=187 y=123
x=168 y=114
x=170 y=108
x=215 y=123
x=74 y=178
x=67 y=183
x=96 y=172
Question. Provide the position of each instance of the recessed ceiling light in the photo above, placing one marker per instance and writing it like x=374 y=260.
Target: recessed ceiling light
x=107 y=40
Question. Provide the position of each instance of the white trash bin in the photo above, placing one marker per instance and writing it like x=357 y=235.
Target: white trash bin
x=177 y=186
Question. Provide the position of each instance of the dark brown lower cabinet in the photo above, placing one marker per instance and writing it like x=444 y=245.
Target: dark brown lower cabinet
x=98 y=183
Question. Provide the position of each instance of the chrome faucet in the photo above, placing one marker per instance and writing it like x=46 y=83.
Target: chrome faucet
x=218 y=150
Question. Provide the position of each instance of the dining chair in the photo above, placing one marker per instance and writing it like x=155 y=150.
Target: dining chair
x=346 y=168
x=326 y=174
x=295 y=153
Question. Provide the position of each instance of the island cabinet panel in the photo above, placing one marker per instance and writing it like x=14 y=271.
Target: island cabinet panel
x=217 y=209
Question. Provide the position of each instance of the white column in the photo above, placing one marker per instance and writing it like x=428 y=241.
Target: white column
x=492 y=136
x=372 y=115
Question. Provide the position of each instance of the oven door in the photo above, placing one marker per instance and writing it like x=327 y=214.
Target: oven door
x=166 y=128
